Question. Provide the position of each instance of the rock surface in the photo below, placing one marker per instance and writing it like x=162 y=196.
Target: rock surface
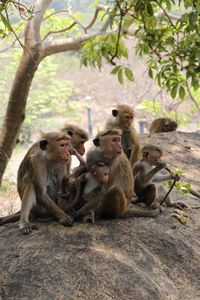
x=132 y=259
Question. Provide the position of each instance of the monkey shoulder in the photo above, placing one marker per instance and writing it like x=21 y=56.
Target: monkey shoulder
x=139 y=167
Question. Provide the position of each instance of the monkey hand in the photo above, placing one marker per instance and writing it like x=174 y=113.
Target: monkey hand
x=175 y=176
x=161 y=165
x=180 y=205
x=88 y=219
x=27 y=228
x=67 y=220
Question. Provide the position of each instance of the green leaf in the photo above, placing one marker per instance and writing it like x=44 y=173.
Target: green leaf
x=173 y=92
x=150 y=73
x=115 y=70
x=120 y=76
x=129 y=74
x=195 y=83
x=6 y=22
x=181 y=92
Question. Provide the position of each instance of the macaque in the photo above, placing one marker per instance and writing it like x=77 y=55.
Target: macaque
x=116 y=194
x=162 y=125
x=97 y=176
x=148 y=183
x=122 y=118
x=78 y=138
x=38 y=182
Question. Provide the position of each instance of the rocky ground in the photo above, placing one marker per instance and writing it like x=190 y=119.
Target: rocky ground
x=132 y=259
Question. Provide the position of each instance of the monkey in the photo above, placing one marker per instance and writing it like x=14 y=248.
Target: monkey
x=122 y=118
x=38 y=182
x=162 y=125
x=116 y=194
x=78 y=138
x=97 y=176
x=148 y=182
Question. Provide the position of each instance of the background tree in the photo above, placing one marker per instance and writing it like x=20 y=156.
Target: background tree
x=167 y=31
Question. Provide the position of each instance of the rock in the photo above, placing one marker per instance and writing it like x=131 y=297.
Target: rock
x=126 y=259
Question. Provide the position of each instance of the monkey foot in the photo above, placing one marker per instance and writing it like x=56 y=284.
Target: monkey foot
x=157 y=206
x=180 y=205
x=67 y=221
x=28 y=228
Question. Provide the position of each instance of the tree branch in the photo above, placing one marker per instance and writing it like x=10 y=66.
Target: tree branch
x=68 y=44
x=56 y=12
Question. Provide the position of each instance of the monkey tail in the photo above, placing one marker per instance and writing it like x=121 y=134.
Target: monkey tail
x=10 y=219
x=132 y=212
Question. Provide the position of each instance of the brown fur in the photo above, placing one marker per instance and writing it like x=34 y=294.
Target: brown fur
x=34 y=176
x=162 y=125
x=122 y=118
x=148 y=181
x=117 y=193
x=78 y=138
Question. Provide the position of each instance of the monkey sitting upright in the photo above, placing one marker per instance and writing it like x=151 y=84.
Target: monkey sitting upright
x=147 y=182
x=38 y=181
x=162 y=125
x=85 y=201
x=122 y=118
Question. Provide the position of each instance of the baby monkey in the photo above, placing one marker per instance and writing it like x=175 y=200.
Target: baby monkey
x=83 y=197
x=147 y=180
x=97 y=176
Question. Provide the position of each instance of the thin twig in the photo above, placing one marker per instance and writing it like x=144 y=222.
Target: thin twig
x=191 y=96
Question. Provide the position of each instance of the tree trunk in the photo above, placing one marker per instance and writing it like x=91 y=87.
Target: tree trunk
x=16 y=106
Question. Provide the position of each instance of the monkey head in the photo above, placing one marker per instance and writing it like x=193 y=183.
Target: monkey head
x=100 y=171
x=78 y=137
x=124 y=115
x=152 y=154
x=109 y=142
x=55 y=146
x=169 y=125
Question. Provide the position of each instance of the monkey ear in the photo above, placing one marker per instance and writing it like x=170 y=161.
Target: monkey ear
x=114 y=112
x=43 y=144
x=96 y=141
x=69 y=132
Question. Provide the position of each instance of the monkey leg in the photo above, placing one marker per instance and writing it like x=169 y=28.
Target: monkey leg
x=114 y=204
x=149 y=194
x=56 y=211
x=28 y=201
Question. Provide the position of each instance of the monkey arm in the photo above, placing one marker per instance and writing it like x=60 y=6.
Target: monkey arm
x=80 y=158
x=135 y=152
x=161 y=178
x=93 y=204
x=147 y=177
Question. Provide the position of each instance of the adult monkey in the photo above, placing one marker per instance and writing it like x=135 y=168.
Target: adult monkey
x=122 y=118
x=162 y=125
x=38 y=181
x=117 y=193
x=148 y=183
x=78 y=138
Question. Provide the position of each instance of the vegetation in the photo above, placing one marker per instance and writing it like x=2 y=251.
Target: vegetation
x=165 y=31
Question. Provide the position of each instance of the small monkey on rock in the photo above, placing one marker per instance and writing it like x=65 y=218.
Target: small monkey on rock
x=162 y=125
x=147 y=180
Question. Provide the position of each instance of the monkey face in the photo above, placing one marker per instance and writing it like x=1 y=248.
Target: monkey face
x=113 y=147
x=126 y=121
x=80 y=148
x=102 y=174
x=61 y=151
x=154 y=157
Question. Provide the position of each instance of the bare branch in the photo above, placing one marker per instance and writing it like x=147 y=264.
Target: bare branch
x=56 y=12
x=98 y=9
x=59 y=31
x=68 y=44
